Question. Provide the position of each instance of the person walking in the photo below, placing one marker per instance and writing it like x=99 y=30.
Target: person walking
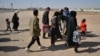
x=8 y=25
x=55 y=32
x=15 y=21
x=76 y=38
x=34 y=30
x=72 y=24
x=45 y=21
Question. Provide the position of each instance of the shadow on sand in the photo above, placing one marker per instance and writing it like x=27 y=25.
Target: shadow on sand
x=2 y=30
x=53 y=48
x=20 y=31
x=90 y=34
x=90 y=46
x=6 y=40
x=89 y=50
x=83 y=45
x=3 y=33
x=13 y=32
x=10 y=48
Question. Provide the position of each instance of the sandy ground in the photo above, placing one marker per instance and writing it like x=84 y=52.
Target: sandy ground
x=13 y=44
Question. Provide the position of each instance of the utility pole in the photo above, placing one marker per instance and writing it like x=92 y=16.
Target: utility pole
x=30 y=4
x=11 y=6
x=37 y=4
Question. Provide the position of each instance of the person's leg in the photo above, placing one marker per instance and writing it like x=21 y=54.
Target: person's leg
x=10 y=29
x=58 y=34
x=76 y=47
x=38 y=41
x=48 y=31
x=52 y=39
x=32 y=42
x=49 y=34
x=84 y=33
x=13 y=26
x=6 y=29
x=17 y=24
x=44 y=35
x=53 y=33
x=44 y=32
x=70 y=39
x=39 y=44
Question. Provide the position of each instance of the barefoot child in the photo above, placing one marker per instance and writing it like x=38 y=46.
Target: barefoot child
x=8 y=25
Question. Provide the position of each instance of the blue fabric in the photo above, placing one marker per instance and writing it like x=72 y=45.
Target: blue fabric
x=66 y=13
x=76 y=36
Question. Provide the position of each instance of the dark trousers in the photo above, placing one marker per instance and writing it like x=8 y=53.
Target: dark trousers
x=70 y=38
x=83 y=33
x=53 y=38
x=15 y=26
x=33 y=41
x=76 y=46
x=57 y=32
x=45 y=34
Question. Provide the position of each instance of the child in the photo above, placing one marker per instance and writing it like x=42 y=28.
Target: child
x=83 y=27
x=8 y=25
x=76 y=38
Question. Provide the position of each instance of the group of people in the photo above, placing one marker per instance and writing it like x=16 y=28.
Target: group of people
x=15 y=21
x=73 y=31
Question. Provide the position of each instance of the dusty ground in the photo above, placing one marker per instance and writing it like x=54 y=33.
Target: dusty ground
x=13 y=44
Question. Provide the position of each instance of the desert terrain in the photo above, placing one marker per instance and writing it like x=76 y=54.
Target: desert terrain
x=13 y=44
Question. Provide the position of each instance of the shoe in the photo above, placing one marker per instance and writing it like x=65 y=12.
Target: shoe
x=28 y=50
x=76 y=50
x=41 y=47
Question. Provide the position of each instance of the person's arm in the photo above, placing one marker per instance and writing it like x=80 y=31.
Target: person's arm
x=86 y=26
x=79 y=38
x=35 y=24
x=75 y=22
x=30 y=22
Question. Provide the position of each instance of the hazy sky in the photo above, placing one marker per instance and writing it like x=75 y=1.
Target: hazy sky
x=50 y=3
